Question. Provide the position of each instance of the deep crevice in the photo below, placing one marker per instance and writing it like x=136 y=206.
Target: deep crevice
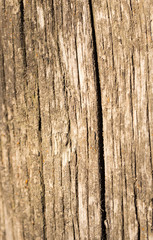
x=147 y=113
x=100 y=127
x=133 y=71
x=122 y=203
x=22 y=37
x=54 y=210
x=152 y=216
x=87 y=172
x=41 y=167
x=136 y=212
x=14 y=67
x=77 y=61
x=135 y=199
x=135 y=161
x=77 y=192
x=131 y=5
x=73 y=229
x=62 y=198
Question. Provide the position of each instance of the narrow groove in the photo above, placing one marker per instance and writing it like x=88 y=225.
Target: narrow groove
x=131 y=5
x=122 y=209
x=148 y=124
x=136 y=212
x=63 y=213
x=23 y=234
x=14 y=68
x=22 y=37
x=63 y=207
x=41 y=168
x=77 y=196
x=131 y=95
x=65 y=93
x=77 y=61
x=70 y=175
x=112 y=181
x=87 y=172
x=87 y=137
x=53 y=15
x=100 y=127
x=152 y=215
x=4 y=5
x=148 y=119
x=135 y=167
x=122 y=204
x=54 y=211
x=147 y=224
x=73 y=229
x=133 y=71
x=135 y=201
x=53 y=87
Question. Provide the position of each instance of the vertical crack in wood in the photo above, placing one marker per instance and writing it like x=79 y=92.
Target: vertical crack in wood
x=112 y=186
x=135 y=167
x=41 y=167
x=78 y=72
x=23 y=233
x=54 y=210
x=14 y=67
x=148 y=119
x=76 y=189
x=131 y=94
x=22 y=37
x=100 y=127
x=63 y=207
x=152 y=215
x=3 y=4
x=122 y=201
x=135 y=203
x=131 y=5
x=133 y=71
x=87 y=169
x=148 y=124
x=73 y=229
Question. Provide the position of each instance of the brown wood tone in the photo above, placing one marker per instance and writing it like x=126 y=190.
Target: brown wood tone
x=76 y=119
x=125 y=58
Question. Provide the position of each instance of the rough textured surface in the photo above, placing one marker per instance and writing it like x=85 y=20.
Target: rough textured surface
x=125 y=57
x=76 y=119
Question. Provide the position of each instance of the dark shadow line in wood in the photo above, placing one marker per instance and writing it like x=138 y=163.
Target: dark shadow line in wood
x=22 y=37
x=41 y=167
x=100 y=127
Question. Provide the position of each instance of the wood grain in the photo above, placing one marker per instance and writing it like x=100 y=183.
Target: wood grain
x=76 y=119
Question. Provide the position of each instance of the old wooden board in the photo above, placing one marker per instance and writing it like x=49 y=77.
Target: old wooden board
x=76 y=119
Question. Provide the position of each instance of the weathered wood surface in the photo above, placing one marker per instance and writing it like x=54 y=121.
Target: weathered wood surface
x=76 y=119
x=125 y=50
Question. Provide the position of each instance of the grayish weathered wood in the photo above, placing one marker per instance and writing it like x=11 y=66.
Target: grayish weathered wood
x=76 y=119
